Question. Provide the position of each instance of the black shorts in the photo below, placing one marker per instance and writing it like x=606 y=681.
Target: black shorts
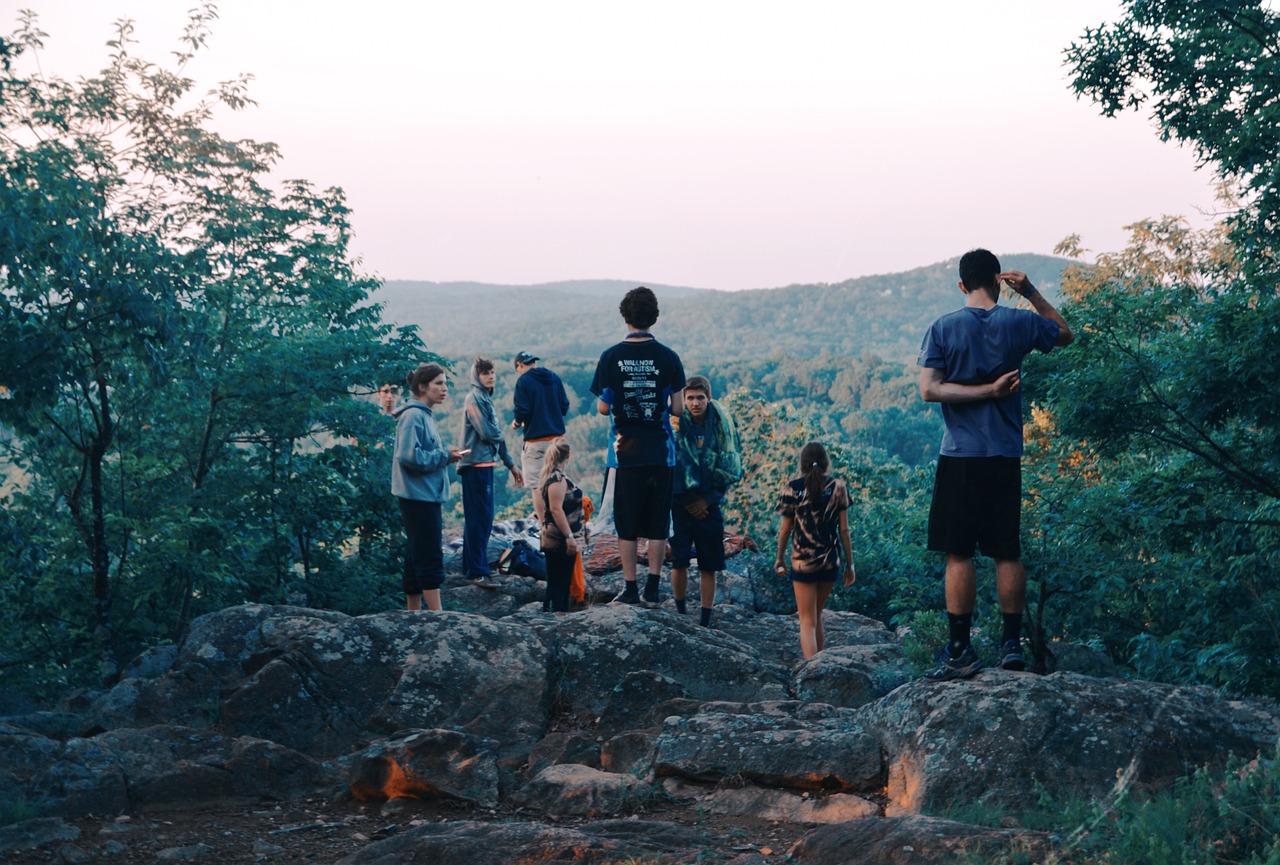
x=701 y=539
x=642 y=503
x=815 y=577
x=977 y=505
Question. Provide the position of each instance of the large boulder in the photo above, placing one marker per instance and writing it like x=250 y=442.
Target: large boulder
x=851 y=676
x=597 y=648
x=427 y=764
x=156 y=767
x=321 y=682
x=794 y=745
x=583 y=791
x=992 y=738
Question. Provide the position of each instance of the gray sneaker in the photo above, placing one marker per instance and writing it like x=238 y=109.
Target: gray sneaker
x=954 y=668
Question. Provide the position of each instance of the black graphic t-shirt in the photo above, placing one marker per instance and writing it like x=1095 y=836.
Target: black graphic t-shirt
x=637 y=380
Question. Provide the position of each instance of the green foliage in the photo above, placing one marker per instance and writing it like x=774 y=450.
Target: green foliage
x=1212 y=816
x=187 y=349
x=1207 y=73
x=1152 y=473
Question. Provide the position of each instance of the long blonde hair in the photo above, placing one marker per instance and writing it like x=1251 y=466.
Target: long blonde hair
x=557 y=456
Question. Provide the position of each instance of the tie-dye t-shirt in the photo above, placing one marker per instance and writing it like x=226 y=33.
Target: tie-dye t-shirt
x=815 y=538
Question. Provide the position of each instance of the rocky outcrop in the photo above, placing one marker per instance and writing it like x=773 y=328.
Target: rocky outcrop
x=155 y=767
x=991 y=739
x=608 y=841
x=596 y=713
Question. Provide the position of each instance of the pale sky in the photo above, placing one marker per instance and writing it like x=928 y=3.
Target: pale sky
x=735 y=144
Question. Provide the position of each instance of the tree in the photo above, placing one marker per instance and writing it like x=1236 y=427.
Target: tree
x=1180 y=387
x=187 y=345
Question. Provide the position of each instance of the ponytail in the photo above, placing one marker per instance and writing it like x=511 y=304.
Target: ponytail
x=813 y=468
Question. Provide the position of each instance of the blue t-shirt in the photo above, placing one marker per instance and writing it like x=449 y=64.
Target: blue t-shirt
x=637 y=380
x=977 y=346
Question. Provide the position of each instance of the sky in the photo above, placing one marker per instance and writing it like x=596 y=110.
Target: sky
x=728 y=145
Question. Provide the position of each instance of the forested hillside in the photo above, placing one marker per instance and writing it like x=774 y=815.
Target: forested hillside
x=883 y=315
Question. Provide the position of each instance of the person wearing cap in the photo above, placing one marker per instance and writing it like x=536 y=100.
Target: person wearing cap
x=708 y=462
x=640 y=382
x=540 y=404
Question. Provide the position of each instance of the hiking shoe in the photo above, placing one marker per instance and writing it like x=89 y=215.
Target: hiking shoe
x=651 y=595
x=954 y=668
x=1011 y=656
x=630 y=595
x=486 y=582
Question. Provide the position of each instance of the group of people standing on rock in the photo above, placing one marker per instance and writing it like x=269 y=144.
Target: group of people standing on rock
x=675 y=452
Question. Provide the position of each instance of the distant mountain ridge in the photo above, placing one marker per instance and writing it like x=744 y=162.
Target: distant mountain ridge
x=883 y=314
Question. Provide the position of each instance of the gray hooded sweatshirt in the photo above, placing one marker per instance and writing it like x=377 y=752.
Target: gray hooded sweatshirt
x=419 y=468
x=480 y=430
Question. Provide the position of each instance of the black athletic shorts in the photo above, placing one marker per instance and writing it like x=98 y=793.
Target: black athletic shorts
x=701 y=539
x=977 y=503
x=642 y=502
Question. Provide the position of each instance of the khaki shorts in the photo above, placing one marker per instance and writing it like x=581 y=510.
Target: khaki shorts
x=532 y=459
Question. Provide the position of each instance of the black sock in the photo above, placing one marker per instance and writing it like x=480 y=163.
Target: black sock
x=959 y=626
x=630 y=589
x=682 y=605
x=651 y=583
x=706 y=617
x=1012 y=627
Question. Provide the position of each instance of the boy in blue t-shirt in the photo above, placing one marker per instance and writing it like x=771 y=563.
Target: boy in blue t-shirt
x=970 y=362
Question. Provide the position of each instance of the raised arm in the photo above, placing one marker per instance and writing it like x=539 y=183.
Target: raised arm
x=1018 y=281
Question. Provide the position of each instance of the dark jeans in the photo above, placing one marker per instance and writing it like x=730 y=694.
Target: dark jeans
x=559 y=576
x=423 y=556
x=477 y=514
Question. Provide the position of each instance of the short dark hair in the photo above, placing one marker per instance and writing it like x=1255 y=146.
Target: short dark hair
x=483 y=365
x=639 y=307
x=978 y=269
x=698 y=382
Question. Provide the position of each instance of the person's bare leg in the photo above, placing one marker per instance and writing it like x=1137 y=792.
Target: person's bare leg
x=807 y=607
x=413 y=602
x=823 y=591
x=679 y=583
x=1011 y=585
x=962 y=584
x=627 y=549
x=431 y=597
x=706 y=588
x=657 y=553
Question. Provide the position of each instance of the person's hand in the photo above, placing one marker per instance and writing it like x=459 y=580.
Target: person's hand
x=1016 y=280
x=1007 y=384
x=456 y=454
x=850 y=576
x=517 y=476
x=779 y=567
x=697 y=508
x=570 y=544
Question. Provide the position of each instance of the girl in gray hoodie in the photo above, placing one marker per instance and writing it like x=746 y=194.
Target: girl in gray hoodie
x=420 y=480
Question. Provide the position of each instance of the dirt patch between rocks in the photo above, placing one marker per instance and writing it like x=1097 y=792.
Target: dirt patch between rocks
x=315 y=831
